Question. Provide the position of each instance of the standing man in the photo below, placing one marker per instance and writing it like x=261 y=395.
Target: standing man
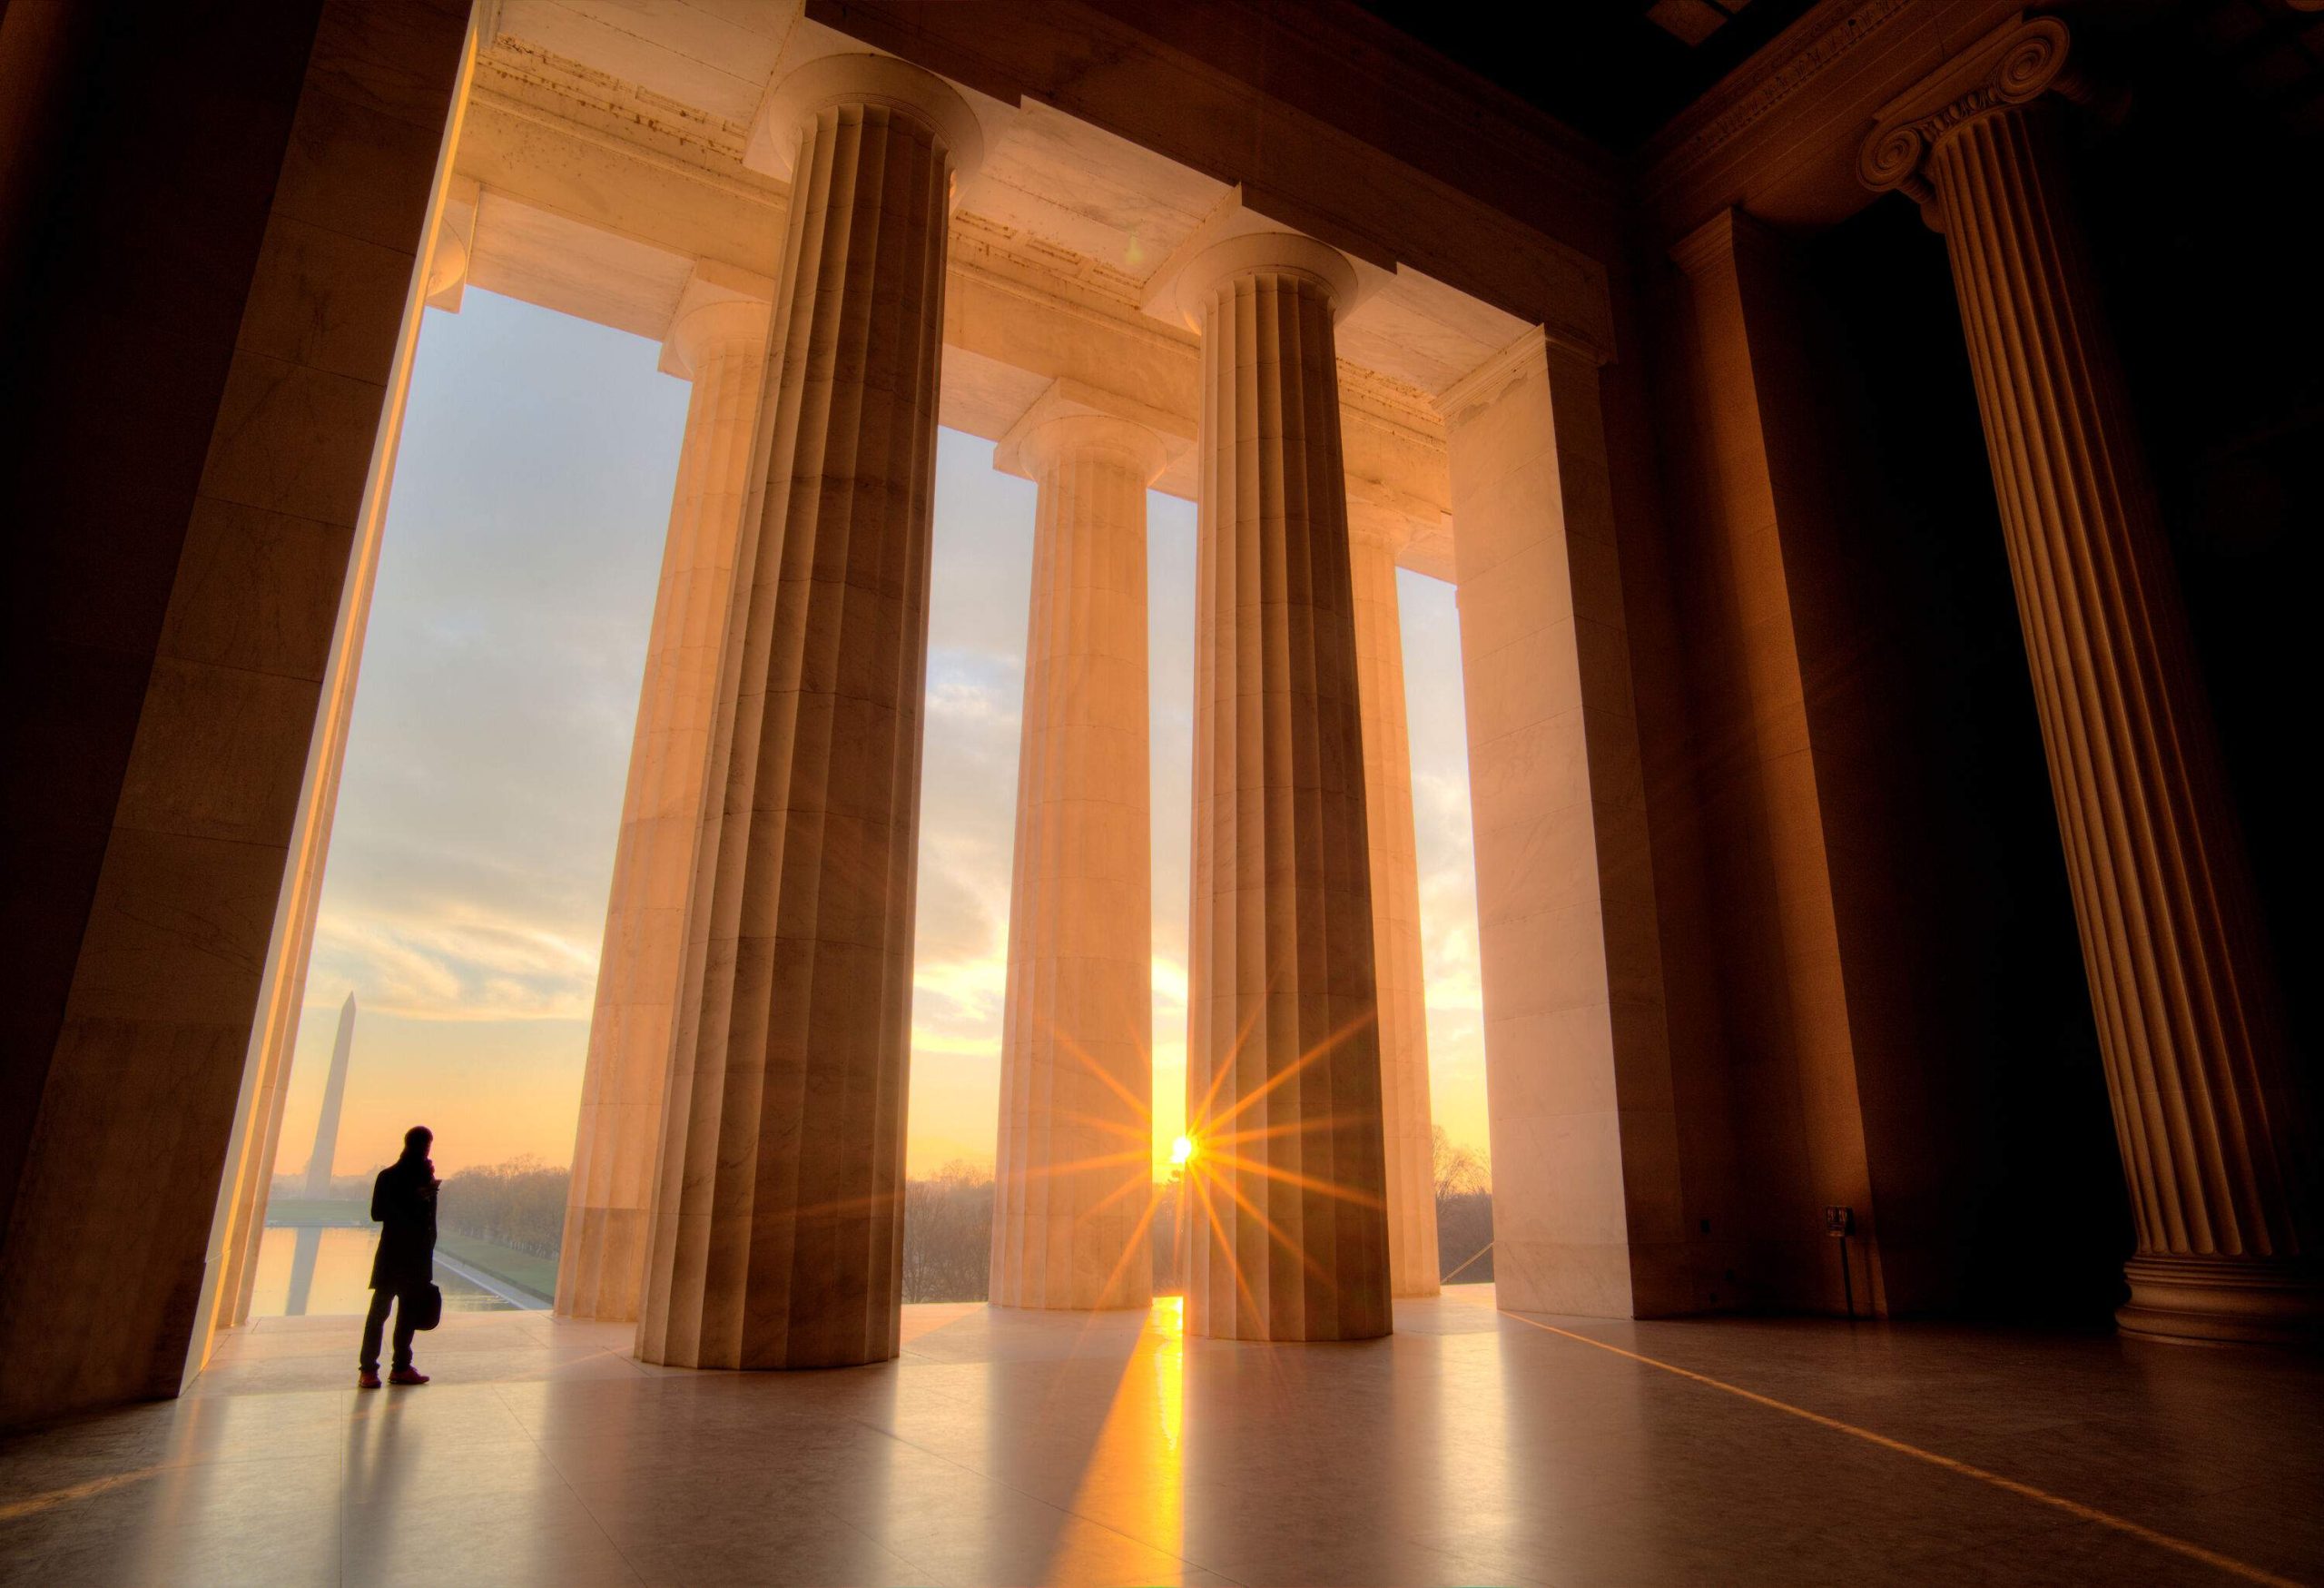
x=403 y=1202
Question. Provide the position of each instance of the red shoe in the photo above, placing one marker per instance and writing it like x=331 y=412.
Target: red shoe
x=368 y=1379
x=406 y=1375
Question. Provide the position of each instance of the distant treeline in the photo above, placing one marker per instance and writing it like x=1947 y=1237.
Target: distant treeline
x=948 y=1227
x=948 y=1218
x=355 y=1187
x=1463 y=1213
x=518 y=1204
x=947 y=1234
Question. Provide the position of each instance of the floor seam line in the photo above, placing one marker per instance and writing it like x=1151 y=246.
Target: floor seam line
x=2075 y=1508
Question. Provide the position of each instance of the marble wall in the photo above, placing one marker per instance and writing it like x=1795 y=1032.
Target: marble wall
x=217 y=312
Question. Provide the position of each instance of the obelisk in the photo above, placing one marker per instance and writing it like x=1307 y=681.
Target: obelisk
x=334 y=1092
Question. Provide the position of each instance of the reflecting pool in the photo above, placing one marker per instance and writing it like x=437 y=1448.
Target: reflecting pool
x=313 y=1270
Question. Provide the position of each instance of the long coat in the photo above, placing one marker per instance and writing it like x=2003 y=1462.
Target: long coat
x=403 y=1199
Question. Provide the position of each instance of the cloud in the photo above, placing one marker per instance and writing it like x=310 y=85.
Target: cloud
x=474 y=842
x=974 y=710
x=471 y=963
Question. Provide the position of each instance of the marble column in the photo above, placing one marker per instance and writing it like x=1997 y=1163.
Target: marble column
x=718 y=339
x=1589 y=1212
x=1288 y=1240
x=1374 y=538
x=2216 y=1140
x=1075 y=1150
x=778 y=1213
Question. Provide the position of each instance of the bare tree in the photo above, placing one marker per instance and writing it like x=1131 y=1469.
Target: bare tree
x=947 y=1234
x=1459 y=1168
x=1463 y=1184
x=518 y=1204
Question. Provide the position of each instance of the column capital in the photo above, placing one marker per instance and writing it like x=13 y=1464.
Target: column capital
x=1071 y=415
x=1257 y=252
x=1236 y=240
x=720 y=302
x=447 y=263
x=2015 y=64
x=864 y=80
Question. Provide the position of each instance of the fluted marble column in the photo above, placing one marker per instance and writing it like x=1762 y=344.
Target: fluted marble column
x=1410 y=1143
x=2216 y=1142
x=718 y=338
x=1074 y=1152
x=1288 y=1239
x=778 y=1217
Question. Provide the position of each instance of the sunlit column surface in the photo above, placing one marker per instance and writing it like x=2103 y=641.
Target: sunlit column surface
x=1289 y=1239
x=778 y=1222
x=1073 y=1187
x=718 y=338
x=1395 y=908
x=2206 y=1106
x=1588 y=1214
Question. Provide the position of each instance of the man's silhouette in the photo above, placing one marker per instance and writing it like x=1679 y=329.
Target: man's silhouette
x=403 y=1199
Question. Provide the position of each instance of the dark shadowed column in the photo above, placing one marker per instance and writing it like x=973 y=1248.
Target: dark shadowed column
x=2214 y=1135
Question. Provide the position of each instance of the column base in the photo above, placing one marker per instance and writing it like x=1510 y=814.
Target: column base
x=2223 y=1300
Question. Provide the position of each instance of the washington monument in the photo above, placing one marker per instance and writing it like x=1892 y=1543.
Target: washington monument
x=319 y=1162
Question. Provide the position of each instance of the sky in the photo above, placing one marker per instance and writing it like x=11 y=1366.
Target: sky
x=465 y=892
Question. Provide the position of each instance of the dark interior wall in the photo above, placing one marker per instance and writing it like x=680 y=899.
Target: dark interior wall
x=166 y=128
x=1678 y=835
x=1987 y=1125
x=1989 y=1132
x=2206 y=210
x=1739 y=1128
x=193 y=395
x=1986 y=1129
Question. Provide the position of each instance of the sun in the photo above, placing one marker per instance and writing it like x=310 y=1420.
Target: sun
x=1182 y=1150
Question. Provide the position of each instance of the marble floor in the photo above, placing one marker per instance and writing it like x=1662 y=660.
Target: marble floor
x=1471 y=1447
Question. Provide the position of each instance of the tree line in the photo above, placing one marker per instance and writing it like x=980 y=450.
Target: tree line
x=518 y=1204
x=948 y=1218
x=947 y=1226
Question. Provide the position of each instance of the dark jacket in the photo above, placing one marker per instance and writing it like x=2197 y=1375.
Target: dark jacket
x=403 y=1201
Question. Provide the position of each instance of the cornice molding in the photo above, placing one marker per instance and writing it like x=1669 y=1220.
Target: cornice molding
x=1527 y=355
x=1390 y=405
x=523 y=74
x=1801 y=54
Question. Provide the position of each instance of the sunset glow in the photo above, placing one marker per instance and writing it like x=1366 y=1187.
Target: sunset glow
x=466 y=891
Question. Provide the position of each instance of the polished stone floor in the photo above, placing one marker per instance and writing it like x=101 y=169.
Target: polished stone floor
x=1471 y=1447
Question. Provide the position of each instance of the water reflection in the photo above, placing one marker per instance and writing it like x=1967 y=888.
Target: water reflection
x=309 y=1271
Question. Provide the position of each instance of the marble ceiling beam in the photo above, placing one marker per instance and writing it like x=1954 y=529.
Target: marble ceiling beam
x=577 y=219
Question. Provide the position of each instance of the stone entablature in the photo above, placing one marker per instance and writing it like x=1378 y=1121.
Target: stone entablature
x=597 y=196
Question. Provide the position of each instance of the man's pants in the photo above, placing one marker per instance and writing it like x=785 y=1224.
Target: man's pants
x=377 y=1320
